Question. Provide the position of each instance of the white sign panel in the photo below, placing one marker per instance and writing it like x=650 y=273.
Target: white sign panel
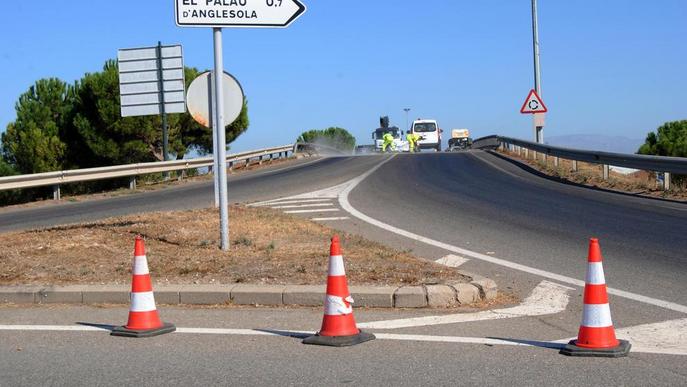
x=237 y=13
x=146 y=80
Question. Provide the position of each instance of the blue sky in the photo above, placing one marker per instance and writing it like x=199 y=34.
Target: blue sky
x=615 y=67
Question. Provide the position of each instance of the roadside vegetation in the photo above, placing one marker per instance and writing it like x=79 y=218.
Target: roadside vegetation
x=334 y=137
x=668 y=140
x=61 y=126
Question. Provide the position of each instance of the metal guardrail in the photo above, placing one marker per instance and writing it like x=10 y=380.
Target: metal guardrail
x=662 y=164
x=132 y=170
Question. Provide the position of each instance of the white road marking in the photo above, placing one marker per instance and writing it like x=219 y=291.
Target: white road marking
x=546 y=298
x=644 y=338
x=302 y=205
x=452 y=261
x=346 y=205
x=328 y=219
x=280 y=202
x=666 y=337
x=311 y=211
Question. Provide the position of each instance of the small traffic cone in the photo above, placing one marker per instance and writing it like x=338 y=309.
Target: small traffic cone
x=338 y=324
x=597 y=335
x=144 y=321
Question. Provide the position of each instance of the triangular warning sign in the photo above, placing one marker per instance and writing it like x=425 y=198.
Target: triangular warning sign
x=533 y=104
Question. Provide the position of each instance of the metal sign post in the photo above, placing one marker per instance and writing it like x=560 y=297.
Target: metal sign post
x=218 y=14
x=221 y=140
x=538 y=120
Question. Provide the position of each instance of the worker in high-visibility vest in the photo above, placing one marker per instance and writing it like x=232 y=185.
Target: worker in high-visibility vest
x=413 y=138
x=411 y=142
x=388 y=142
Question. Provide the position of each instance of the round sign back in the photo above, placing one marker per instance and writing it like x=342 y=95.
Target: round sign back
x=200 y=95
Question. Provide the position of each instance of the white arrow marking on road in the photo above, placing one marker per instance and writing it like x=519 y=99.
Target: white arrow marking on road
x=546 y=298
x=452 y=261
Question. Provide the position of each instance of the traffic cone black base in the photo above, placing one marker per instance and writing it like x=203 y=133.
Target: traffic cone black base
x=339 y=341
x=620 y=351
x=124 y=332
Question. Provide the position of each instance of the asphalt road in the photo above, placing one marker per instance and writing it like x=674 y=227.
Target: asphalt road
x=280 y=180
x=473 y=200
x=30 y=358
x=480 y=202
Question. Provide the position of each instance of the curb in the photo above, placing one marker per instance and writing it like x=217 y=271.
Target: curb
x=433 y=296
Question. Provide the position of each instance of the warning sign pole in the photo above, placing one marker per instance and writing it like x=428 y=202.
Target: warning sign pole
x=538 y=120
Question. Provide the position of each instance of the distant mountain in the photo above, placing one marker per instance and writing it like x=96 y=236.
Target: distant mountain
x=597 y=142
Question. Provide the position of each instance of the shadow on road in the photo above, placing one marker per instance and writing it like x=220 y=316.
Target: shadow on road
x=534 y=343
x=295 y=335
x=100 y=326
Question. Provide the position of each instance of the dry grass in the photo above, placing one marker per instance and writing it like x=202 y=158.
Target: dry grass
x=641 y=182
x=267 y=247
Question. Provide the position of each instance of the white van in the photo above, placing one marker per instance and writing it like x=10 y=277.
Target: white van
x=429 y=132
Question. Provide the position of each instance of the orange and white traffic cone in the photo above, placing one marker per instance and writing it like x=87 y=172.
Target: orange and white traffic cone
x=144 y=320
x=597 y=335
x=338 y=324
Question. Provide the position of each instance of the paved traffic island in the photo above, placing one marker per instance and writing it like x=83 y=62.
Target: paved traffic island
x=275 y=259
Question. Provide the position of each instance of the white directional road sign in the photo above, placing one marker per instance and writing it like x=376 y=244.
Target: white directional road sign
x=237 y=13
x=146 y=79
x=533 y=104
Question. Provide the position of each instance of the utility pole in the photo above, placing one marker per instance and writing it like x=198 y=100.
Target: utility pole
x=538 y=117
x=406 y=110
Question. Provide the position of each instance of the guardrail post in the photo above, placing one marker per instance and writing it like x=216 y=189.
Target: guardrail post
x=535 y=154
x=556 y=161
x=606 y=170
x=546 y=158
x=132 y=182
x=56 y=193
x=181 y=175
x=666 y=181
x=574 y=165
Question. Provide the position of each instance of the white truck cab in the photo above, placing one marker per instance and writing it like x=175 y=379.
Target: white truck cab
x=430 y=134
x=400 y=145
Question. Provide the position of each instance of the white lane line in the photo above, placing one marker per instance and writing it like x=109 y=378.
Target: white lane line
x=303 y=205
x=311 y=211
x=346 y=205
x=328 y=219
x=452 y=261
x=280 y=202
x=644 y=338
x=546 y=298
x=473 y=340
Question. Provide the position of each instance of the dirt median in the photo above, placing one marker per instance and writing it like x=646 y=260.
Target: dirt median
x=267 y=247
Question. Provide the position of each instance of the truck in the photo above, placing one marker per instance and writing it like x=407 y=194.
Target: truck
x=429 y=132
x=460 y=139
x=377 y=135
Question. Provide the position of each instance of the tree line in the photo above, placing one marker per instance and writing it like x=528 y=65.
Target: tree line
x=61 y=126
